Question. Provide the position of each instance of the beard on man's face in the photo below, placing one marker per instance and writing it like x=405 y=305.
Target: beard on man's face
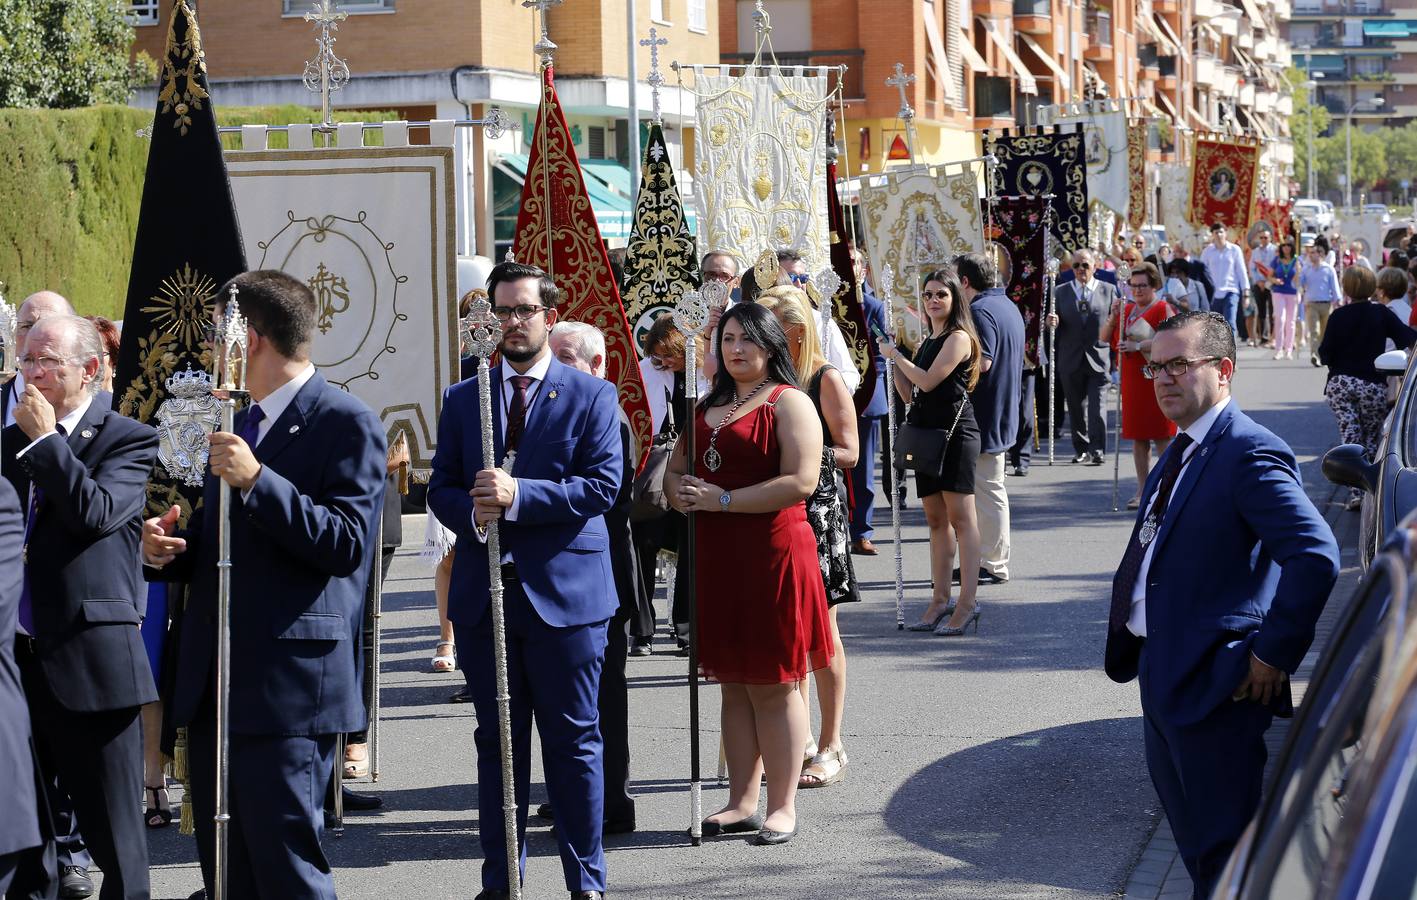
x=524 y=354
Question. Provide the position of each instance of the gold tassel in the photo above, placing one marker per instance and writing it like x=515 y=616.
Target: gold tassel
x=185 y=825
x=179 y=756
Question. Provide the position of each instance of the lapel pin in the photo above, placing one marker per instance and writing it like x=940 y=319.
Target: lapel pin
x=551 y=396
x=294 y=429
x=1204 y=451
x=86 y=433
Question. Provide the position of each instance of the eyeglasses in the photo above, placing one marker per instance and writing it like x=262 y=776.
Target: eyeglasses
x=719 y=276
x=935 y=295
x=1176 y=367
x=520 y=313
x=1082 y=265
x=799 y=280
x=1140 y=285
x=46 y=364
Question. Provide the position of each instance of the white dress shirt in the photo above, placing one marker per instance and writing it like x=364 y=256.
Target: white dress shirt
x=68 y=423
x=16 y=387
x=1197 y=432
x=277 y=400
x=1226 y=266
x=537 y=374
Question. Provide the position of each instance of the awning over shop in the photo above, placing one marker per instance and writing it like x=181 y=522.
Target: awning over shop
x=1393 y=28
x=940 y=61
x=614 y=215
x=971 y=56
x=1049 y=61
x=1026 y=82
x=1166 y=102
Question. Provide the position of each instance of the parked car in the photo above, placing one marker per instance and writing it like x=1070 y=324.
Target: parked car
x=1380 y=209
x=1389 y=484
x=1314 y=215
x=1339 y=817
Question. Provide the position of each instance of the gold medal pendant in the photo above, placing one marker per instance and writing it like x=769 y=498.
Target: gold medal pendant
x=712 y=460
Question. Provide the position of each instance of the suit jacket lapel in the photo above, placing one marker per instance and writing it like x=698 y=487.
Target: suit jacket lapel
x=293 y=420
x=1194 y=470
x=89 y=423
x=498 y=443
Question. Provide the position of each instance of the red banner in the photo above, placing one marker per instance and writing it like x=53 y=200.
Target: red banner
x=556 y=231
x=1224 y=179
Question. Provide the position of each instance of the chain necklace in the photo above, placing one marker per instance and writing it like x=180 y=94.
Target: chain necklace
x=712 y=459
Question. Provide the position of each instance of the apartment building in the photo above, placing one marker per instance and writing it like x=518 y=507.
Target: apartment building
x=1362 y=56
x=455 y=59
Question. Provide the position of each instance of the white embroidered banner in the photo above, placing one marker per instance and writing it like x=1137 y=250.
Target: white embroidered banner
x=372 y=231
x=918 y=218
x=760 y=165
x=1175 y=180
x=1104 y=130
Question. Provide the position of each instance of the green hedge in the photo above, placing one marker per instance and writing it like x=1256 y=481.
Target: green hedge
x=71 y=183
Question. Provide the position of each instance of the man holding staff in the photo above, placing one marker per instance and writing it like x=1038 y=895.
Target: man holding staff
x=558 y=469
x=306 y=468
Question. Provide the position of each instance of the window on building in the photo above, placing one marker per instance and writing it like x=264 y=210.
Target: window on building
x=659 y=11
x=595 y=142
x=1368 y=65
x=142 y=12
x=791 y=26
x=698 y=16
x=354 y=7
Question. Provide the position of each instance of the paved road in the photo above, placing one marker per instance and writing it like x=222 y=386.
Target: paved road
x=1003 y=766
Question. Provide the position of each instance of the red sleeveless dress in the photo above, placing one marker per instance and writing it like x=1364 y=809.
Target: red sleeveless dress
x=761 y=602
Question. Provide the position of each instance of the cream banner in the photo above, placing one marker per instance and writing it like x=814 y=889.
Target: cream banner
x=371 y=231
x=1104 y=143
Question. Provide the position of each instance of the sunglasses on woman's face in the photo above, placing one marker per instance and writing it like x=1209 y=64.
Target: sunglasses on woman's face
x=935 y=295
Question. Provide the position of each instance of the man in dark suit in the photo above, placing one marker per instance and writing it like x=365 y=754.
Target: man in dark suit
x=83 y=470
x=306 y=467
x=1214 y=604
x=582 y=347
x=1082 y=306
x=868 y=424
x=36 y=306
x=22 y=843
x=557 y=431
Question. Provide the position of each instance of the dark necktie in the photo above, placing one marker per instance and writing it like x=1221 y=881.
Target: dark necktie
x=516 y=417
x=1130 y=568
x=251 y=428
x=26 y=617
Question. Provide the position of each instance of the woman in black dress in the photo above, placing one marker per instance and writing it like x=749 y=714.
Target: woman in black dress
x=937 y=385
x=825 y=758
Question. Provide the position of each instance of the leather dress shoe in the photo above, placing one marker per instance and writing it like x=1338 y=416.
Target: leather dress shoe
x=1097 y=460
x=642 y=647
x=355 y=801
x=864 y=547
x=1020 y=471
x=493 y=894
x=74 y=883
x=462 y=696
x=544 y=811
x=587 y=895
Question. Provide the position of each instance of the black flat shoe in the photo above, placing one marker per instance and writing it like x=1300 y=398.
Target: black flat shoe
x=587 y=895
x=462 y=696
x=356 y=801
x=493 y=894
x=742 y=826
x=770 y=838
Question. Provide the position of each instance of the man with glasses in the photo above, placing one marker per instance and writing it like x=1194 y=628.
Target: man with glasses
x=1216 y=598
x=558 y=470
x=81 y=473
x=1082 y=358
x=36 y=306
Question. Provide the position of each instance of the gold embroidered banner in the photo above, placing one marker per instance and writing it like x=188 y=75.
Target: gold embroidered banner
x=1174 y=214
x=1224 y=182
x=1036 y=165
x=916 y=218
x=661 y=262
x=760 y=165
x=1136 y=175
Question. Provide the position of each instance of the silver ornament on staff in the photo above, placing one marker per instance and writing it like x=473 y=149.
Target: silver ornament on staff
x=229 y=346
x=1124 y=272
x=481 y=333
x=887 y=296
x=826 y=285
x=9 y=352
x=1050 y=268
x=690 y=315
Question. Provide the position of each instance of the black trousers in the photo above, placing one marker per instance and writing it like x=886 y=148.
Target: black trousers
x=1030 y=396
x=1083 y=389
x=97 y=758
x=614 y=704
x=1264 y=311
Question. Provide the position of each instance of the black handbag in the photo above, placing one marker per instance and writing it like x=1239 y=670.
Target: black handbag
x=923 y=449
x=648 y=501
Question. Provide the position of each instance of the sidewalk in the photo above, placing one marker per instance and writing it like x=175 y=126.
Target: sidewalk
x=1159 y=873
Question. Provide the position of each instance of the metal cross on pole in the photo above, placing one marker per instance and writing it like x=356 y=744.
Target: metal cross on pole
x=326 y=73
x=900 y=81
x=545 y=47
x=656 y=77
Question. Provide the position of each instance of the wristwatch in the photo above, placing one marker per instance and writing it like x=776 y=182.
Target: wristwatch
x=723 y=500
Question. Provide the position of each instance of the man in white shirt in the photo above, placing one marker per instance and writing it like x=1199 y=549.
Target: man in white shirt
x=1213 y=644
x=1225 y=263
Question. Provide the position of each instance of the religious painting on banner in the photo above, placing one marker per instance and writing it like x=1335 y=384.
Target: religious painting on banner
x=918 y=216
x=1105 y=149
x=187 y=246
x=1036 y=165
x=1276 y=215
x=661 y=261
x=1224 y=180
x=1137 y=206
x=371 y=231
x=1018 y=243
x=556 y=231
x=760 y=164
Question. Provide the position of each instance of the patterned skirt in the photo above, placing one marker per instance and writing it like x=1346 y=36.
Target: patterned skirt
x=826 y=511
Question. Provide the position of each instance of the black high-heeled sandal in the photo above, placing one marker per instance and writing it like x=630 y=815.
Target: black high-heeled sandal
x=159 y=815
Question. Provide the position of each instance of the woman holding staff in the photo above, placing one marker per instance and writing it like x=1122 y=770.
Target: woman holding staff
x=763 y=620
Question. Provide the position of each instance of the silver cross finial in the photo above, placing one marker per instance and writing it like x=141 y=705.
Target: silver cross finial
x=545 y=48
x=326 y=73
x=900 y=81
x=656 y=77
x=762 y=22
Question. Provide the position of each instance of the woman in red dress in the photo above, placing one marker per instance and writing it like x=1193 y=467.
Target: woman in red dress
x=762 y=607
x=1143 y=423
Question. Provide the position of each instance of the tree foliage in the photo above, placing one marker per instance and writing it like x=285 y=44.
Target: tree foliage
x=1308 y=119
x=64 y=54
x=1370 y=161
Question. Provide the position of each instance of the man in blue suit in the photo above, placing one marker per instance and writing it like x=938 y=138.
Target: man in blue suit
x=868 y=424
x=1214 y=604
x=557 y=470
x=82 y=470
x=306 y=467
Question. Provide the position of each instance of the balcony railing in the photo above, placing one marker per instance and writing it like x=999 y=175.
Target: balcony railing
x=1033 y=8
x=1099 y=27
x=853 y=84
x=993 y=97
